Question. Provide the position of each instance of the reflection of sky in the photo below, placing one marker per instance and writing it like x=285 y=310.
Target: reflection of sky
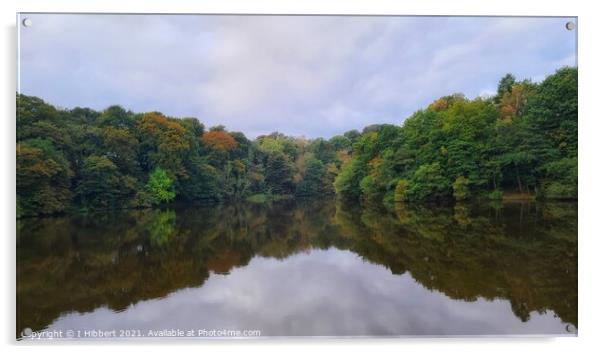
x=301 y=75
x=323 y=292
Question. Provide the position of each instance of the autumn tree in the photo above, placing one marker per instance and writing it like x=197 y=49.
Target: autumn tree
x=219 y=140
x=43 y=179
x=164 y=142
x=522 y=140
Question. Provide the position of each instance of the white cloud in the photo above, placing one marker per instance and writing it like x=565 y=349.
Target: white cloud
x=313 y=76
x=322 y=292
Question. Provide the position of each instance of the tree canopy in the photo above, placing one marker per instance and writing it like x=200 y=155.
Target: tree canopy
x=523 y=140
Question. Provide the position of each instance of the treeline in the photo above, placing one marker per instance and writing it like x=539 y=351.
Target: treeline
x=522 y=140
x=80 y=159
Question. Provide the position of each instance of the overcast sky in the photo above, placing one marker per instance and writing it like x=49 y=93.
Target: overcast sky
x=300 y=75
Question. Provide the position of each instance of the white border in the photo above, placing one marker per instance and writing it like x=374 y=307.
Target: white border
x=589 y=161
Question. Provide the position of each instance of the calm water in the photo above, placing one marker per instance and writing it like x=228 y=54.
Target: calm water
x=304 y=268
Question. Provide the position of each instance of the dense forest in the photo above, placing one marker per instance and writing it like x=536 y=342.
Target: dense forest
x=522 y=143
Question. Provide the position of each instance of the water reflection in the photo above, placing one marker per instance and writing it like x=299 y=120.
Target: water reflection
x=305 y=268
x=162 y=227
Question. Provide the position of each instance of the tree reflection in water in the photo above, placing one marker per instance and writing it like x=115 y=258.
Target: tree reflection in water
x=525 y=253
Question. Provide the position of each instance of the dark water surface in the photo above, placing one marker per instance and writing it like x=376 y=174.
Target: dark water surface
x=303 y=269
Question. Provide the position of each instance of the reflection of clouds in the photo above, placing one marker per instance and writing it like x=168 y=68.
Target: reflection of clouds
x=324 y=292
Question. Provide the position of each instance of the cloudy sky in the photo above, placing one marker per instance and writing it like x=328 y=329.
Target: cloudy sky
x=301 y=75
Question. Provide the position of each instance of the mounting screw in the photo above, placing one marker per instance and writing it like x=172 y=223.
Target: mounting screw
x=570 y=25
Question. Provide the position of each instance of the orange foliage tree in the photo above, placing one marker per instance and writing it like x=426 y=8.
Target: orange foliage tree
x=512 y=103
x=219 y=140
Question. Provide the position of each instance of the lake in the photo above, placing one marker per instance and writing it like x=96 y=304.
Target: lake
x=301 y=268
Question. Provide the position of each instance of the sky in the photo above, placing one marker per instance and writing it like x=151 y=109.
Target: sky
x=312 y=76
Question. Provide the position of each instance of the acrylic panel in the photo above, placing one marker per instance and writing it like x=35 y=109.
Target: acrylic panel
x=200 y=176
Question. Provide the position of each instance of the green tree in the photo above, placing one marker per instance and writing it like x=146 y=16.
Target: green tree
x=560 y=179
x=313 y=180
x=101 y=185
x=552 y=116
x=121 y=147
x=279 y=174
x=160 y=186
x=322 y=150
x=340 y=142
x=505 y=86
x=428 y=183
x=347 y=182
x=522 y=140
x=117 y=117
